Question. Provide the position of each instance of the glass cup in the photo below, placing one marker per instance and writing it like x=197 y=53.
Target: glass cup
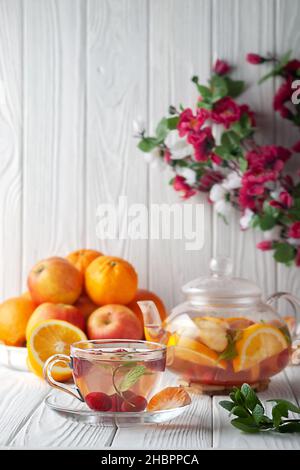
x=111 y=375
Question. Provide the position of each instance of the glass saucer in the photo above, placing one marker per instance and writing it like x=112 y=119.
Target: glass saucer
x=71 y=408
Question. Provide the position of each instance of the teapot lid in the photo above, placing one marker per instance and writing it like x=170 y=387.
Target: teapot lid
x=220 y=286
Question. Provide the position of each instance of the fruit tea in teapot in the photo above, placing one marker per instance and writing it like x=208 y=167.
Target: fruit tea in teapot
x=223 y=334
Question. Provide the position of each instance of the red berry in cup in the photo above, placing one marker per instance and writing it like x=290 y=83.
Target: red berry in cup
x=135 y=403
x=98 y=401
x=116 y=402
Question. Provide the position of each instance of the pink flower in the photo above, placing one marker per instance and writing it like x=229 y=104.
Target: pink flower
x=296 y=147
x=203 y=142
x=275 y=204
x=221 y=67
x=286 y=199
x=265 y=245
x=264 y=166
x=210 y=178
x=255 y=59
x=294 y=230
x=216 y=159
x=179 y=184
x=292 y=66
x=167 y=156
x=283 y=95
x=188 y=122
x=226 y=111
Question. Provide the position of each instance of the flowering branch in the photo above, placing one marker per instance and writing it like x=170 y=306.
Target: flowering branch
x=235 y=170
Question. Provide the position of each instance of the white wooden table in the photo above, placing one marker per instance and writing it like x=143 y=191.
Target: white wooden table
x=26 y=422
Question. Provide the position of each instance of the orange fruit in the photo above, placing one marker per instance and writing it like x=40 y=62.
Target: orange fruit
x=14 y=315
x=191 y=350
x=81 y=259
x=85 y=305
x=52 y=337
x=258 y=342
x=212 y=332
x=111 y=280
x=144 y=294
x=169 y=398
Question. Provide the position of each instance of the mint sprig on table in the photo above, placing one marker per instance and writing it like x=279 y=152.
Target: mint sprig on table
x=250 y=412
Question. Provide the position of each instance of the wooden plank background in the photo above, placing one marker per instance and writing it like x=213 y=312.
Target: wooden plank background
x=74 y=74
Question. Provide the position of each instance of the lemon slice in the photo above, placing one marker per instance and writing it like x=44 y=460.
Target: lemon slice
x=258 y=342
x=52 y=337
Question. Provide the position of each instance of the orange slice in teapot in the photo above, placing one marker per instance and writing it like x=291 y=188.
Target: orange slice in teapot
x=258 y=342
x=239 y=323
x=191 y=350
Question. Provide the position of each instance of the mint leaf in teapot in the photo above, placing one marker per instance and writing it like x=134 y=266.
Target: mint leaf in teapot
x=230 y=351
x=250 y=412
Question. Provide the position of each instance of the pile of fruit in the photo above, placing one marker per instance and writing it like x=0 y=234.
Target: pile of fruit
x=85 y=295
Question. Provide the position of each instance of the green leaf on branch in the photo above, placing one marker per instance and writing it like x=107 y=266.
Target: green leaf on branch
x=219 y=88
x=205 y=92
x=250 y=412
x=147 y=144
x=243 y=163
x=266 y=222
x=243 y=128
x=172 y=122
x=162 y=130
x=278 y=67
x=284 y=253
x=234 y=87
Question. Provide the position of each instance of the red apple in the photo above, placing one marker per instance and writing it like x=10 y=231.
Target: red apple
x=85 y=305
x=49 y=311
x=114 y=322
x=55 y=280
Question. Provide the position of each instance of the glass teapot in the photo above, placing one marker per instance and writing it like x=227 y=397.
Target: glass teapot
x=224 y=334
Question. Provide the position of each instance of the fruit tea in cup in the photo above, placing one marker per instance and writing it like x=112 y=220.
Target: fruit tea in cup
x=113 y=375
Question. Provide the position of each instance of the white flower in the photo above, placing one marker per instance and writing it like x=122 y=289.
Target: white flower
x=217 y=193
x=246 y=219
x=273 y=234
x=189 y=175
x=232 y=181
x=181 y=149
x=154 y=158
x=138 y=126
x=223 y=208
x=294 y=241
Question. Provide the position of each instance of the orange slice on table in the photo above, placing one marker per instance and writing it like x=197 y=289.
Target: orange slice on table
x=258 y=342
x=52 y=337
x=191 y=350
x=169 y=398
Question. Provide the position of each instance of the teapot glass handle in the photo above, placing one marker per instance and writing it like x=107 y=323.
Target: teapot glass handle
x=290 y=298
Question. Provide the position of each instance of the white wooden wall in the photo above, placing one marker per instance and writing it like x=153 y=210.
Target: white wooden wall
x=74 y=74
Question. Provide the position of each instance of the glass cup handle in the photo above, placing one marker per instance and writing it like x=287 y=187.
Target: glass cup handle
x=290 y=298
x=47 y=371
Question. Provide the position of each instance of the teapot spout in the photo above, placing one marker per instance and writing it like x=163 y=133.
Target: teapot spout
x=153 y=328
